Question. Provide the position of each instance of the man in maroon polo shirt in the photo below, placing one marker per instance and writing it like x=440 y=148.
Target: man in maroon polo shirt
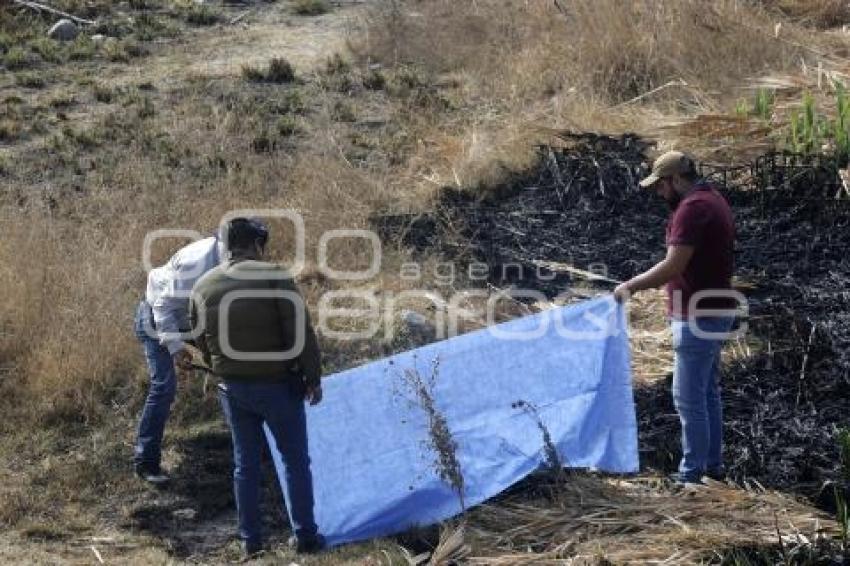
x=700 y=304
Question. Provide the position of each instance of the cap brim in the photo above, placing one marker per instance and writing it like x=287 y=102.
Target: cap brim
x=649 y=181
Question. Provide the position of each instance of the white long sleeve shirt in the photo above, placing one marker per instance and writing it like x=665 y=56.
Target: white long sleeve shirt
x=170 y=286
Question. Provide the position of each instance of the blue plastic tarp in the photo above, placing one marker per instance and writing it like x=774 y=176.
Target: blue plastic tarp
x=371 y=441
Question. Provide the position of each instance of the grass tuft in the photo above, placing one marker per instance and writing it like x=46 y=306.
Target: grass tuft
x=6 y=41
x=30 y=80
x=16 y=58
x=148 y=27
x=82 y=49
x=253 y=74
x=116 y=52
x=343 y=111
x=310 y=7
x=63 y=101
x=279 y=71
x=103 y=93
x=287 y=126
x=47 y=49
x=9 y=130
x=146 y=108
x=337 y=64
x=201 y=15
x=375 y=80
x=86 y=139
x=141 y=4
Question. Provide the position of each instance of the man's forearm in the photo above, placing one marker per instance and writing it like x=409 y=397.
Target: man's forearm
x=311 y=358
x=678 y=257
x=658 y=275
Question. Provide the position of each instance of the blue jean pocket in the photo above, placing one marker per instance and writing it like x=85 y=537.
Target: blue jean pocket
x=143 y=321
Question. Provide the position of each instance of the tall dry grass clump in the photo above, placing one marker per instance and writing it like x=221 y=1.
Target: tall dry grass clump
x=68 y=291
x=71 y=262
x=620 y=49
x=525 y=69
x=627 y=49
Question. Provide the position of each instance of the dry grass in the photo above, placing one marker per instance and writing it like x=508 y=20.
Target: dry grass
x=198 y=157
x=652 y=349
x=465 y=90
x=497 y=97
x=819 y=13
x=594 y=519
x=310 y=7
x=60 y=306
x=523 y=70
x=629 y=51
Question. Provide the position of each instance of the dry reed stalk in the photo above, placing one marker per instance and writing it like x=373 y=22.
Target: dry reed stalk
x=635 y=522
x=441 y=445
x=452 y=547
x=553 y=460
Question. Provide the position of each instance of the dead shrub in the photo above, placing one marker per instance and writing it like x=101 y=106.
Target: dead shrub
x=279 y=70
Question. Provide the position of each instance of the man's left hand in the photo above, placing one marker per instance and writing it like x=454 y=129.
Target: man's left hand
x=622 y=293
x=314 y=394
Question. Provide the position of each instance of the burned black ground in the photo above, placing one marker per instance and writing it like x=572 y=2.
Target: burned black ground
x=580 y=205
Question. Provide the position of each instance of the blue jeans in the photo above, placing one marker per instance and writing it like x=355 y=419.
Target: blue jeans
x=163 y=387
x=696 y=395
x=280 y=405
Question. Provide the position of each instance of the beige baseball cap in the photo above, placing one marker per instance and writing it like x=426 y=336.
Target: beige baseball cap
x=668 y=164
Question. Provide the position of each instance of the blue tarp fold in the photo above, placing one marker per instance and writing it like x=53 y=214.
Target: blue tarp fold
x=371 y=441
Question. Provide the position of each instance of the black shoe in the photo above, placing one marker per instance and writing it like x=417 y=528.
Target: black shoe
x=717 y=474
x=152 y=474
x=252 y=549
x=310 y=545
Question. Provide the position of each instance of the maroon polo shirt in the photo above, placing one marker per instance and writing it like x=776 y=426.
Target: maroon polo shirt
x=703 y=220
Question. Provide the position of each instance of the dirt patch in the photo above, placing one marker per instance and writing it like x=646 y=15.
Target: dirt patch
x=170 y=65
x=262 y=35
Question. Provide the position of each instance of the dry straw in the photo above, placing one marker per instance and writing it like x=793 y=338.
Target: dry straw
x=635 y=522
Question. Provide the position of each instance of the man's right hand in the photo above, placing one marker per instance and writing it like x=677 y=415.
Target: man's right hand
x=313 y=394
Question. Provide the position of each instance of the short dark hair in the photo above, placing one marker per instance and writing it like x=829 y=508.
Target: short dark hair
x=242 y=233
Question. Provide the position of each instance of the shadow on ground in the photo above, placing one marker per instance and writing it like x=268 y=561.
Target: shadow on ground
x=196 y=513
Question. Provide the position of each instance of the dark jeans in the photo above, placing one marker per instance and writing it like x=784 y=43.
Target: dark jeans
x=163 y=386
x=280 y=406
